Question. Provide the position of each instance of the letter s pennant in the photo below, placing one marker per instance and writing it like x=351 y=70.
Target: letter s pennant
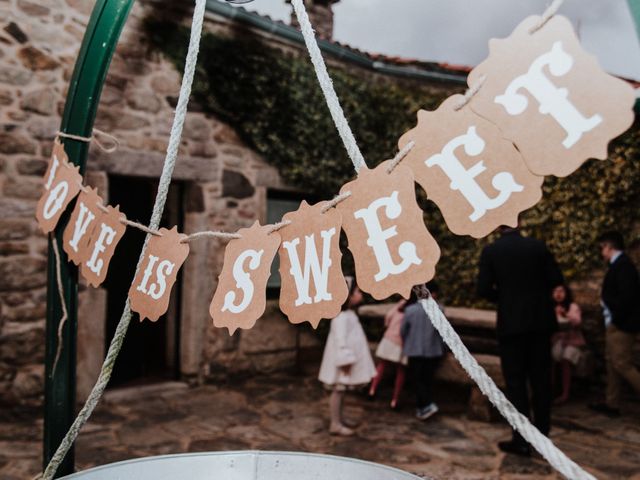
x=550 y=97
x=240 y=298
x=151 y=289
x=313 y=286
x=392 y=248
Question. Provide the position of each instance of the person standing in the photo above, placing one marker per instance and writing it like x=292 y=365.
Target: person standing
x=424 y=348
x=620 y=301
x=346 y=361
x=389 y=353
x=519 y=274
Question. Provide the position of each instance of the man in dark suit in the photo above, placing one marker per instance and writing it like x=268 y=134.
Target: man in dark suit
x=519 y=274
x=621 y=311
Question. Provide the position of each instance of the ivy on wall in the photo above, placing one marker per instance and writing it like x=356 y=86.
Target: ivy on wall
x=271 y=97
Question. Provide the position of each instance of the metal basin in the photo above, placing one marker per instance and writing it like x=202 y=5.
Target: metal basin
x=244 y=465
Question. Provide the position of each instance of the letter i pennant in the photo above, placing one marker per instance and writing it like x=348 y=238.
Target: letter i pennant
x=392 y=248
x=240 y=298
x=550 y=97
x=313 y=286
x=151 y=289
x=477 y=178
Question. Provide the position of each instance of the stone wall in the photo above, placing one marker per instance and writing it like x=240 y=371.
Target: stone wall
x=225 y=185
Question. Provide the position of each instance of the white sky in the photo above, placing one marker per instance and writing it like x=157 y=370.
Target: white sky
x=457 y=31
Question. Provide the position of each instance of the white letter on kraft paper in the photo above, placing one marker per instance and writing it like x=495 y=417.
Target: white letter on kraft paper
x=378 y=237
x=312 y=267
x=243 y=281
x=553 y=101
x=462 y=179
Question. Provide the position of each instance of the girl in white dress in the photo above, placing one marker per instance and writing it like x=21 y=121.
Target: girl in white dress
x=346 y=362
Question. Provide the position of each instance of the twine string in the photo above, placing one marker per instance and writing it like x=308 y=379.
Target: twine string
x=400 y=156
x=158 y=208
x=551 y=10
x=63 y=304
x=113 y=142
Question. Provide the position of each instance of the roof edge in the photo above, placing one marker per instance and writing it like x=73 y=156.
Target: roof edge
x=341 y=53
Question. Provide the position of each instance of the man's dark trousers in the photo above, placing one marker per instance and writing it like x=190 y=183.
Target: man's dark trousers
x=526 y=363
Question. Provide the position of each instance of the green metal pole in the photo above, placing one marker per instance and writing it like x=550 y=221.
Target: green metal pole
x=100 y=39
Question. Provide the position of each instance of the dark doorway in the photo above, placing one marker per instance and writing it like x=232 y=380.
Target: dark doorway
x=150 y=352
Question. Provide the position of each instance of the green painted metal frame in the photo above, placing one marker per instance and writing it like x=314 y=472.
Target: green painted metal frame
x=100 y=39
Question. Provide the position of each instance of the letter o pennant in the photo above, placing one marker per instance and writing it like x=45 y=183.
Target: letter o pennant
x=240 y=298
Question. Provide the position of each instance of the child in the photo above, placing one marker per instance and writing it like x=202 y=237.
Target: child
x=424 y=347
x=566 y=343
x=346 y=362
x=389 y=352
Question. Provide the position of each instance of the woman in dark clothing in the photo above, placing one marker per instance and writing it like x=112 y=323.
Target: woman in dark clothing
x=424 y=348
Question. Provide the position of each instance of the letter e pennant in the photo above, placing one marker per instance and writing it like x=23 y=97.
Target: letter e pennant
x=102 y=245
x=392 y=248
x=477 y=178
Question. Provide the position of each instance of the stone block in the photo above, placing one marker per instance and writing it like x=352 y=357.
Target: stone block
x=166 y=83
x=23 y=187
x=32 y=166
x=16 y=32
x=15 y=229
x=271 y=333
x=6 y=97
x=15 y=75
x=143 y=101
x=12 y=208
x=22 y=343
x=33 y=9
x=26 y=312
x=92 y=309
x=14 y=248
x=20 y=272
x=35 y=59
x=13 y=142
x=197 y=128
x=42 y=101
x=29 y=382
x=83 y=6
x=236 y=185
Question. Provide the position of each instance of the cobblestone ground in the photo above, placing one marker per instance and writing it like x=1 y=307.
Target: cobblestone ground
x=281 y=412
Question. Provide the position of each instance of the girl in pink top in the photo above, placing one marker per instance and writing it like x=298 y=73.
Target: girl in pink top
x=389 y=352
x=567 y=343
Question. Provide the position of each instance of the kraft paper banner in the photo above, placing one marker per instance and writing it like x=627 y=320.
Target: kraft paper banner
x=313 y=285
x=83 y=221
x=391 y=246
x=551 y=98
x=477 y=178
x=151 y=289
x=102 y=245
x=240 y=298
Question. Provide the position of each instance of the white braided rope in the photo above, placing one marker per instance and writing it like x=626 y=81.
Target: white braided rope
x=327 y=86
x=158 y=208
x=541 y=443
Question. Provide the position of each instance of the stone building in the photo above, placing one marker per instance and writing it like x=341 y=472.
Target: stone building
x=219 y=184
